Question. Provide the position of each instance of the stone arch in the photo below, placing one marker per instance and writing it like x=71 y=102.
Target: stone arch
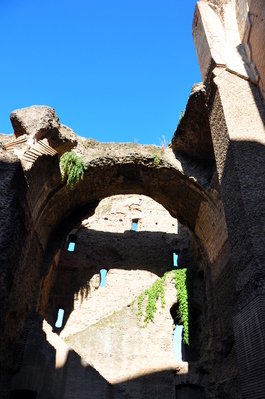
x=56 y=208
x=51 y=209
x=179 y=193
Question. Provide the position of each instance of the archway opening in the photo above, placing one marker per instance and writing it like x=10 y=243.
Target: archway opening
x=135 y=262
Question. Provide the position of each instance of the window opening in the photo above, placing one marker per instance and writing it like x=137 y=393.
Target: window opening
x=59 y=321
x=178 y=332
x=71 y=244
x=177 y=342
x=71 y=247
x=103 y=273
x=134 y=224
x=175 y=259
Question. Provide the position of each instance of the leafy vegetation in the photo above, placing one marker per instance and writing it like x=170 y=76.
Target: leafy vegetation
x=182 y=283
x=153 y=293
x=156 y=158
x=72 y=166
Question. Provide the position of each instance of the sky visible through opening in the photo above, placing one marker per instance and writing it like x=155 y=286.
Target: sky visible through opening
x=178 y=332
x=118 y=70
x=103 y=274
x=71 y=246
x=59 y=321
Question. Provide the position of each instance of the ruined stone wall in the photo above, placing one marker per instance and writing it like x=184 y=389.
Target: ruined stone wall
x=182 y=185
x=238 y=39
x=100 y=322
x=185 y=182
x=250 y=18
x=230 y=49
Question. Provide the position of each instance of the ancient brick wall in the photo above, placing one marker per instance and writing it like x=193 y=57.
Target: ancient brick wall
x=230 y=47
x=100 y=322
x=188 y=188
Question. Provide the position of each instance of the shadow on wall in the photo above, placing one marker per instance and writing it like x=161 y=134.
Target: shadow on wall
x=74 y=379
x=42 y=378
x=94 y=251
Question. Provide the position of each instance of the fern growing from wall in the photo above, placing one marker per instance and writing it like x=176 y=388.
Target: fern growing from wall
x=72 y=166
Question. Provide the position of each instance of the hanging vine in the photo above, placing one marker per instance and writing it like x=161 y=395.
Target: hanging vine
x=181 y=278
x=72 y=166
x=182 y=284
x=152 y=293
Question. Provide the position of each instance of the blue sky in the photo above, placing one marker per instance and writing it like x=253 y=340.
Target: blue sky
x=114 y=70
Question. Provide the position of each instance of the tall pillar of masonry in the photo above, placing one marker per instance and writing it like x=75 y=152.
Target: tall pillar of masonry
x=222 y=36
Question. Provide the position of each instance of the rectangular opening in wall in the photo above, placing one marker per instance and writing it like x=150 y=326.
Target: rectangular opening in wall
x=175 y=259
x=134 y=224
x=59 y=321
x=177 y=342
x=71 y=247
x=71 y=242
x=103 y=273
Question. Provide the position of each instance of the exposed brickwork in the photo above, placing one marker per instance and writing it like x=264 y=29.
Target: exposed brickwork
x=249 y=327
x=237 y=116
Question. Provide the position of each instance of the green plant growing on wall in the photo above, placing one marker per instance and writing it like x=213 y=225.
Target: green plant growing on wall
x=182 y=284
x=152 y=293
x=156 y=159
x=72 y=166
x=182 y=279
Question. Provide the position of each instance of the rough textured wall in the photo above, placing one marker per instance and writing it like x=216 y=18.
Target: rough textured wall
x=237 y=115
x=193 y=134
x=251 y=25
x=233 y=36
x=100 y=322
x=124 y=357
x=12 y=238
x=106 y=240
x=173 y=178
